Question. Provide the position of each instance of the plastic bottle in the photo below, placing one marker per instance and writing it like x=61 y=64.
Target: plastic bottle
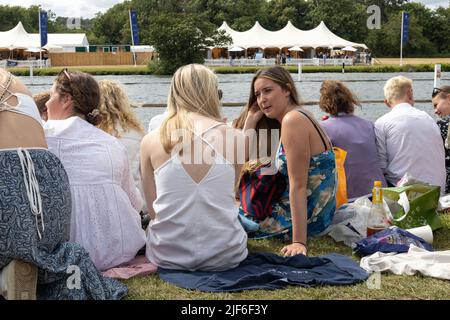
x=378 y=219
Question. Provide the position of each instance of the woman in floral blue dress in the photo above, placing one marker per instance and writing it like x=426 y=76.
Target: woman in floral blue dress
x=304 y=160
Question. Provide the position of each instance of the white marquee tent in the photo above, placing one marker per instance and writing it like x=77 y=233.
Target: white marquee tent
x=18 y=38
x=289 y=36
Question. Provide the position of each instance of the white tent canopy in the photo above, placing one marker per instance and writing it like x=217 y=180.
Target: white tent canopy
x=53 y=47
x=289 y=36
x=295 y=48
x=18 y=38
x=143 y=48
x=348 y=48
x=235 y=49
x=35 y=50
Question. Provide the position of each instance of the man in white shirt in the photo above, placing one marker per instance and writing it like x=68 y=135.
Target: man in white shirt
x=408 y=139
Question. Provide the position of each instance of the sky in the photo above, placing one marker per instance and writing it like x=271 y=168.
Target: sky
x=88 y=8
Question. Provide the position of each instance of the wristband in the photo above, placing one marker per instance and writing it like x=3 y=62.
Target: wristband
x=303 y=244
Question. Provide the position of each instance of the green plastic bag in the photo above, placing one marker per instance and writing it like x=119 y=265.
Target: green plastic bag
x=422 y=202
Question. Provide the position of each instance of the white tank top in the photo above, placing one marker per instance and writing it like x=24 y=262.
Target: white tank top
x=25 y=105
x=196 y=225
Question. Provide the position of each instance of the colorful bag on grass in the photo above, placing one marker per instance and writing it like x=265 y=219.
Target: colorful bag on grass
x=392 y=239
x=259 y=191
x=341 y=190
x=414 y=206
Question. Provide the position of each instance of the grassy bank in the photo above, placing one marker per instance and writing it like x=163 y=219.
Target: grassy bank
x=142 y=70
x=94 y=70
x=334 y=69
x=392 y=286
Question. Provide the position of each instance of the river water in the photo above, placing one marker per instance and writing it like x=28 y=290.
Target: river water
x=149 y=89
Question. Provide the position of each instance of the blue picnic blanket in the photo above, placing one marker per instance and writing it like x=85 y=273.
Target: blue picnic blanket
x=270 y=271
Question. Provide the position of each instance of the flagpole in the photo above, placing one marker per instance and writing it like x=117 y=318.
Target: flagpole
x=401 y=41
x=132 y=37
x=40 y=51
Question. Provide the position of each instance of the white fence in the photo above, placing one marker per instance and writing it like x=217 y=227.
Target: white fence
x=25 y=63
x=271 y=62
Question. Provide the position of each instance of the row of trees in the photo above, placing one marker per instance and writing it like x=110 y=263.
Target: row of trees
x=180 y=29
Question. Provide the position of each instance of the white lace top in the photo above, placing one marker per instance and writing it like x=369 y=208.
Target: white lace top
x=105 y=201
x=131 y=140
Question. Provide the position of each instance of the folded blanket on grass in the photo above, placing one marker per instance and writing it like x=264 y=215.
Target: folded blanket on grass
x=138 y=267
x=270 y=271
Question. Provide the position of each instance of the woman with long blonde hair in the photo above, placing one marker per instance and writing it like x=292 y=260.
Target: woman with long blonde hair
x=189 y=180
x=119 y=120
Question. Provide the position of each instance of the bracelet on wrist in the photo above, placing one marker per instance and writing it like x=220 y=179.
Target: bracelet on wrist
x=302 y=243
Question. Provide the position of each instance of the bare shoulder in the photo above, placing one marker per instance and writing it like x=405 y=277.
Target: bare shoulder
x=149 y=140
x=294 y=120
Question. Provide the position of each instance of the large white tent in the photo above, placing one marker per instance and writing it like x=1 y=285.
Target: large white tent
x=289 y=36
x=18 y=38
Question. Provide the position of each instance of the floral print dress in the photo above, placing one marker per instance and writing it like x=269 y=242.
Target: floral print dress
x=443 y=126
x=321 y=199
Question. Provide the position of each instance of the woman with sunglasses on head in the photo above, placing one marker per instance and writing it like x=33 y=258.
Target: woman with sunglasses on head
x=441 y=104
x=304 y=158
x=35 y=207
x=105 y=200
x=188 y=178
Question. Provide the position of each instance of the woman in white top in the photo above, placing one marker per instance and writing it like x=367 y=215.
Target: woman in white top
x=119 y=120
x=105 y=202
x=189 y=180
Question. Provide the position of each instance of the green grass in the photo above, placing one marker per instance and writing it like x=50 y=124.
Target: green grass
x=97 y=70
x=349 y=69
x=392 y=286
x=142 y=70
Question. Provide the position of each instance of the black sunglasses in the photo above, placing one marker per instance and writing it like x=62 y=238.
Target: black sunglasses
x=220 y=93
x=436 y=91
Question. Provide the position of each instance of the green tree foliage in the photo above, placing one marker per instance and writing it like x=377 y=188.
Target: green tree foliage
x=350 y=23
x=282 y=11
x=113 y=27
x=386 y=41
x=182 y=38
x=439 y=32
x=429 y=29
x=11 y=15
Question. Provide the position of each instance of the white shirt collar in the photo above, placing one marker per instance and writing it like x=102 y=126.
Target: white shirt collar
x=402 y=105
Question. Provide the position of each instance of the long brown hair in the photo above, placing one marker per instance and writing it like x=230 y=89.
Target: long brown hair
x=283 y=78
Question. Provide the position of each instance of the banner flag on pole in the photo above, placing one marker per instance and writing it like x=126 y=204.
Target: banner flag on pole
x=405 y=34
x=43 y=27
x=134 y=28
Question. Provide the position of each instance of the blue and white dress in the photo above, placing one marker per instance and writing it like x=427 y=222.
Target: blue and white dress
x=321 y=197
